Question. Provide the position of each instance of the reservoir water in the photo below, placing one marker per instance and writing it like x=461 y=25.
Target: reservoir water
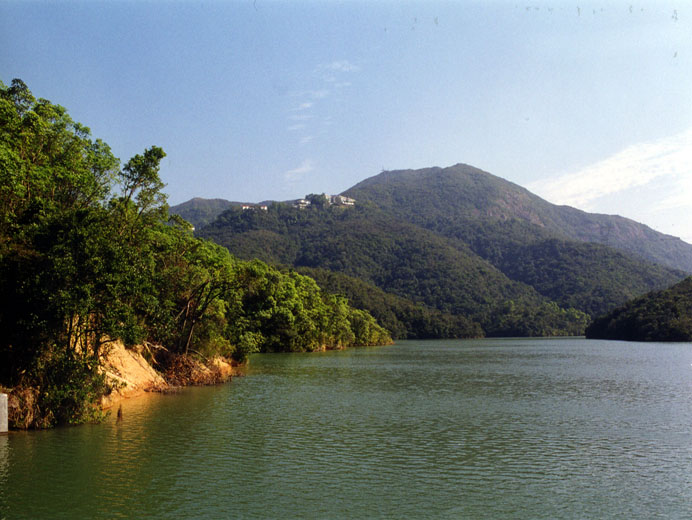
x=510 y=428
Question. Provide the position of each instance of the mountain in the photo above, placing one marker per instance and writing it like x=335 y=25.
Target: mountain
x=364 y=243
x=200 y=212
x=657 y=316
x=461 y=242
x=452 y=200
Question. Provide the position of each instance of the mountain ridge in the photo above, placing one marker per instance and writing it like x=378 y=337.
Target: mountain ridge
x=395 y=256
x=558 y=221
x=464 y=242
x=514 y=201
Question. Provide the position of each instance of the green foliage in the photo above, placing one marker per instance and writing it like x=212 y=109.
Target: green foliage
x=48 y=161
x=69 y=383
x=448 y=289
x=277 y=311
x=403 y=318
x=590 y=277
x=547 y=319
x=317 y=201
x=59 y=264
x=456 y=198
x=658 y=316
x=88 y=255
x=200 y=212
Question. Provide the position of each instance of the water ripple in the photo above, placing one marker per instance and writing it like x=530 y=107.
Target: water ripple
x=488 y=429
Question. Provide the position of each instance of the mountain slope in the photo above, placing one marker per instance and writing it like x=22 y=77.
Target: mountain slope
x=658 y=316
x=399 y=258
x=465 y=243
x=199 y=211
x=401 y=317
x=590 y=277
x=390 y=254
x=444 y=199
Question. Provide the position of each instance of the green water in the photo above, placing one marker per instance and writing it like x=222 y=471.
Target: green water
x=439 y=429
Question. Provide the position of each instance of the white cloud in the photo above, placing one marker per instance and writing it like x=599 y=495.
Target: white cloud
x=311 y=94
x=667 y=160
x=297 y=173
x=303 y=106
x=682 y=195
x=340 y=66
x=300 y=116
x=330 y=72
x=648 y=182
x=317 y=94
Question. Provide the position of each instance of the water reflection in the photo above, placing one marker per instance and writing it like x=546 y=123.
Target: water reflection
x=4 y=458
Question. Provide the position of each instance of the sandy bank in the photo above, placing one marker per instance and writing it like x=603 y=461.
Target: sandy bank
x=131 y=374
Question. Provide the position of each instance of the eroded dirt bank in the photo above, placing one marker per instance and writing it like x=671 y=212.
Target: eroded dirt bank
x=128 y=374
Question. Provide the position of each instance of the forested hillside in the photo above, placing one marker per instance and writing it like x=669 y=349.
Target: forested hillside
x=200 y=212
x=399 y=258
x=449 y=200
x=466 y=244
x=403 y=318
x=658 y=316
x=89 y=255
x=590 y=277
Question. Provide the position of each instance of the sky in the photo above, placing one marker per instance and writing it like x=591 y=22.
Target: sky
x=585 y=104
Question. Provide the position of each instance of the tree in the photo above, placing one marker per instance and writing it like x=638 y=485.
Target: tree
x=89 y=255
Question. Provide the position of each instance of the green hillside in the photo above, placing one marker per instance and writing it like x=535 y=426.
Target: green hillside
x=465 y=243
x=200 y=212
x=403 y=318
x=399 y=258
x=590 y=277
x=658 y=316
x=452 y=199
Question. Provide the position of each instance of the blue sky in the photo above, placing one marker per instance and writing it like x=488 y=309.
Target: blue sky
x=587 y=104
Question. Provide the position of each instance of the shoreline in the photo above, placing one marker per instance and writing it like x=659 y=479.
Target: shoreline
x=131 y=375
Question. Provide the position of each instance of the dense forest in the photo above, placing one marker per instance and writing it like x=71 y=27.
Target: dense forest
x=400 y=259
x=457 y=243
x=403 y=318
x=658 y=316
x=454 y=200
x=89 y=254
